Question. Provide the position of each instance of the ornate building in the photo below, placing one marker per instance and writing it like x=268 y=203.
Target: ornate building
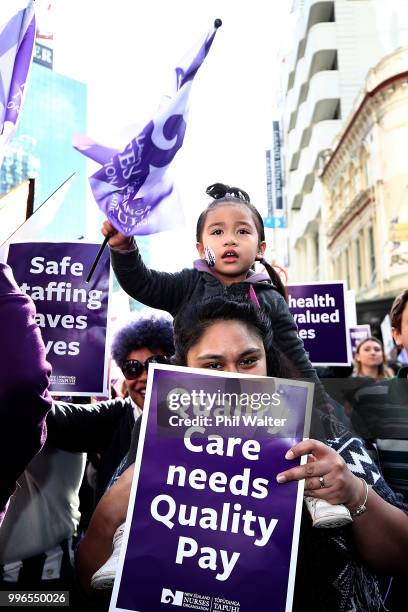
x=334 y=45
x=365 y=181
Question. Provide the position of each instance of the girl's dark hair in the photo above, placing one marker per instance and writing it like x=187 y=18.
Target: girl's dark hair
x=191 y=323
x=223 y=194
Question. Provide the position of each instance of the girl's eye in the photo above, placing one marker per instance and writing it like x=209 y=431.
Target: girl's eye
x=216 y=232
x=243 y=231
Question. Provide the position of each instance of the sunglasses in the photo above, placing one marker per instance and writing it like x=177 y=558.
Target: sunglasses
x=132 y=368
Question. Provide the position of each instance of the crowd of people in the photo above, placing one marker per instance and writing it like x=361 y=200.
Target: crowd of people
x=63 y=459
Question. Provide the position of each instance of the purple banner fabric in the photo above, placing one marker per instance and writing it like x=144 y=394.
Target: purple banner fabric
x=71 y=314
x=320 y=314
x=208 y=526
x=133 y=187
x=16 y=50
x=357 y=334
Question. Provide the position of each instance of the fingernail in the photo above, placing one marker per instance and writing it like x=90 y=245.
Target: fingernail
x=281 y=478
x=289 y=455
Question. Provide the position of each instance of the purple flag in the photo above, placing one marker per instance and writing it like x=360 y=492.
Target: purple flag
x=17 y=35
x=133 y=187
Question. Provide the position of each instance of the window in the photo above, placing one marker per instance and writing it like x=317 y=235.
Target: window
x=346 y=194
x=347 y=267
x=359 y=275
x=366 y=170
x=371 y=255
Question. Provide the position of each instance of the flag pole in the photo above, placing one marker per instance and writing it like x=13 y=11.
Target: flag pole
x=97 y=258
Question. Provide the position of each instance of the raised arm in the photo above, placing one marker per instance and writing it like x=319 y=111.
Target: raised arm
x=162 y=290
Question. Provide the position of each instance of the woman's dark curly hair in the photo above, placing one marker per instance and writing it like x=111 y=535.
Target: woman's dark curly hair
x=154 y=333
x=223 y=194
x=191 y=323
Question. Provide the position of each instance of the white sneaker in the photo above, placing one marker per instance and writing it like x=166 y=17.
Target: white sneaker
x=105 y=576
x=327 y=515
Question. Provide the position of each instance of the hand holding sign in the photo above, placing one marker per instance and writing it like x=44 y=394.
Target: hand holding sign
x=339 y=485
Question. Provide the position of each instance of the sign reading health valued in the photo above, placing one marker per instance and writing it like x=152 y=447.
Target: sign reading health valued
x=208 y=526
x=319 y=310
x=71 y=314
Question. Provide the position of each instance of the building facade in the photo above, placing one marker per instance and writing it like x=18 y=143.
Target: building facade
x=335 y=44
x=365 y=182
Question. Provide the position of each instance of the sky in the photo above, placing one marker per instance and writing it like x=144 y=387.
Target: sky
x=125 y=51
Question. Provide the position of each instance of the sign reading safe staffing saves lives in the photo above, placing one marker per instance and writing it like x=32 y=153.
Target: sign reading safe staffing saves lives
x=71 y=314
x=208 y=526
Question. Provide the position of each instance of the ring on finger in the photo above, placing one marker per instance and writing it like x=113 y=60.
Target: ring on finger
x=322 y=483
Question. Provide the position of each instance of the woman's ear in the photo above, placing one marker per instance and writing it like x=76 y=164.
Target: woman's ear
x=200 y=249
x=397 y=336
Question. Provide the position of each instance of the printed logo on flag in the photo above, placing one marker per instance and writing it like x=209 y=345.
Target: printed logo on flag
x=168 y=597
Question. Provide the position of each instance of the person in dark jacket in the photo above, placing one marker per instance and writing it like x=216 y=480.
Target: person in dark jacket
x=106 y=427
x=337 y=569
x=230 y=238
x=24 y=378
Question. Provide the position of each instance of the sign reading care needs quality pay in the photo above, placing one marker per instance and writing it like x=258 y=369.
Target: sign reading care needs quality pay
x=319 y=310
x=71 y=314
x=208 y=526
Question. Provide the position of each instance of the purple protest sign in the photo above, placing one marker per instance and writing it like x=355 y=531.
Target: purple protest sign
x=71 y=314
x=208 y=525
x=133 y=187
x=319 y=310
x=357 y=334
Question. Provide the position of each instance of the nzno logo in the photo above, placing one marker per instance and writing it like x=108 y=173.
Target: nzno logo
x=168 y=597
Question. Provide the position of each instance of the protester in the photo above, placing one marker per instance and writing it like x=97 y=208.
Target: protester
x=369 y=359
x=24 y=375
x=230 y=239
x=379 y=413
x=379 y=410
x=336 y=568
x=106 y=427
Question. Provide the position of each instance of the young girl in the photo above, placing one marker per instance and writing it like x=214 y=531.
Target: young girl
x=230 y=238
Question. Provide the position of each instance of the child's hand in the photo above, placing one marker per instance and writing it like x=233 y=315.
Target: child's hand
x=116 y=239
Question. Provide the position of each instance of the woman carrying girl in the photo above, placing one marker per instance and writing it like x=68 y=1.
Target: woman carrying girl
x=230 y=238
x=336 y=568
